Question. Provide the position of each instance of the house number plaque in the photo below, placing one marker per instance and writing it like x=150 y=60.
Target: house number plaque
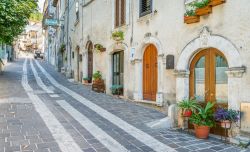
x=245 y=117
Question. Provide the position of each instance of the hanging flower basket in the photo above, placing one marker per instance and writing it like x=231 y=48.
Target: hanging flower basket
x=216 y=2
x=118 y=36
x=191 y=19
x=99 y=47
x=203 y=11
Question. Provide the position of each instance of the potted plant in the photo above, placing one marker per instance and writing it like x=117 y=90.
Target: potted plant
x=99 y=47
x=118 y=36
x=86 y=80
x=216 y=2
x=62 y=48
x=97 y=76
x=226 y=117
x=202 y=7
x=188 y=107
x=116 y=89
x=203 y=120
x=191 y=17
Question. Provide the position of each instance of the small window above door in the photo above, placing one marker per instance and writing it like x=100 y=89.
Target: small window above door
x=145 y=7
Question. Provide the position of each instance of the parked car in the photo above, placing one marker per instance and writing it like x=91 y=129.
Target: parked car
x=38 y=54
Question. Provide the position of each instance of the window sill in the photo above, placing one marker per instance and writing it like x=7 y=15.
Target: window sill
x=122 y=27
x=146 y=17
x=76 y=22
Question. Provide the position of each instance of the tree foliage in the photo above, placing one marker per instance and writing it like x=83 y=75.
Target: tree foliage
x=14 y=16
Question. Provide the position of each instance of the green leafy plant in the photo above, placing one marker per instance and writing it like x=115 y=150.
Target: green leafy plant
x=190 y=13
x=200 y=4
x=65 y=58
x=86 y=78
x=204 y=116
x=116 y=89
x=118 y=35
x=62 y=47
x=97 y=75
x=188 y=105
x=99 y=47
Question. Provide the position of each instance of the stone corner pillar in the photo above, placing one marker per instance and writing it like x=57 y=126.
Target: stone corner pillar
x=138 y=80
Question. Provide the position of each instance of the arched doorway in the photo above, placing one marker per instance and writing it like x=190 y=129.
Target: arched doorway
x=150 y=73
x=209 y=81
x=90 y=61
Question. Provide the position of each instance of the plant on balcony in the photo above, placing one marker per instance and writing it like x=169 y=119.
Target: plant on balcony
x=203 y=120
x=116 y=89
x=99 y=47
x=191 y=17
x=226 y=117
x=62 y=48
x=216 y=2
x=118 y=35
x=202 y=7
x=188 y=107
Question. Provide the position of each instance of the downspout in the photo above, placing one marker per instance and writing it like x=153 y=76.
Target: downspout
x=69 y=50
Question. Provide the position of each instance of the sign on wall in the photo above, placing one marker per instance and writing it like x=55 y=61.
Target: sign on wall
x=51 y=22
x=132 y=54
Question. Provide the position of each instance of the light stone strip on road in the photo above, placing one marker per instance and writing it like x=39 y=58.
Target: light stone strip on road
x=38 y=79
x=97 y=132
x=133 y=131
x=62 y=137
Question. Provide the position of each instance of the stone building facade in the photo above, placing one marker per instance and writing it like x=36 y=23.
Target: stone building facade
x=210 y=58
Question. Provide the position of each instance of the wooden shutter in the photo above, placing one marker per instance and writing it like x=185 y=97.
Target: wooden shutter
x=117 y=4
x=123 y=11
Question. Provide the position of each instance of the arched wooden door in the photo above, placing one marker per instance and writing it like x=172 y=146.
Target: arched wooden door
x=90 y=61
x=150 y=73
x=208 y=80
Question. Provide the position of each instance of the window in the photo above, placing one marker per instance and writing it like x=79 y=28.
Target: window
x=120 y=12
x=145 y=7
x=77 y=10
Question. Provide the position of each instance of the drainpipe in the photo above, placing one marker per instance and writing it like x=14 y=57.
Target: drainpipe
x=69 y=50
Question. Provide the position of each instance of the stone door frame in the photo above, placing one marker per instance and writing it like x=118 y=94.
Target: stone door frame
x=235 y=71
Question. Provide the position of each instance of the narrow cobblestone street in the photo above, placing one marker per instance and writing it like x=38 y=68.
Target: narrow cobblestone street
x=41 y=111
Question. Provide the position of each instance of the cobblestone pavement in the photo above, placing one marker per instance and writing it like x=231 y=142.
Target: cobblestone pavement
x=41 y=111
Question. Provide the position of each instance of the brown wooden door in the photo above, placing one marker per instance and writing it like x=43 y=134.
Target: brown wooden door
x=90 y=62
x=150 y=73
x=208 y=80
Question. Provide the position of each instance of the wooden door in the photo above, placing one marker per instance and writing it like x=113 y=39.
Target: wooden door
x=90 y=62
x=208 y=80
x=150 y=73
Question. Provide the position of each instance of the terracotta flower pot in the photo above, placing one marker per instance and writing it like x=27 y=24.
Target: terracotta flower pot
x=225 y=124
x=203 y=11
x=187 y=113
x=216 y=2
x=201 y=132
x=85 y=81
x=191 y=19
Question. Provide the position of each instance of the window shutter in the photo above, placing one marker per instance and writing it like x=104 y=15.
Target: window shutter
x=123 y=11
x=117 y=13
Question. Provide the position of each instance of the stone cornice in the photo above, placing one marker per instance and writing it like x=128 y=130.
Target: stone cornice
x=182 y=73
x=236 y=72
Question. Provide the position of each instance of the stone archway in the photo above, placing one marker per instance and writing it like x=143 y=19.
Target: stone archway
x=138 y=92
x=206 y=40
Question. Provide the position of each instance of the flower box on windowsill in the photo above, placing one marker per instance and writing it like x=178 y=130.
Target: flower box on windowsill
x=203 y=11
x=216 y=2
x=191 y=19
